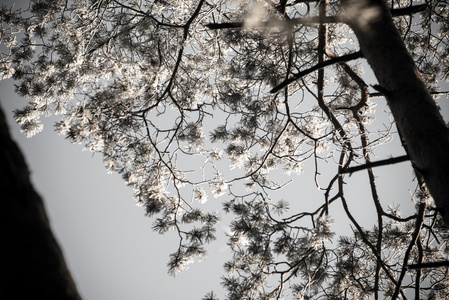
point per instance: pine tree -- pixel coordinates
(240, 100)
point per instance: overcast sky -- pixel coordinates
(108, 243)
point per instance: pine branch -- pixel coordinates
(312, 20)
(436, 264)
(389, 161)
(378, 94)
(276, 23)
(316, 67)
(397, 12)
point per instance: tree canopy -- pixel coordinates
(241, 99)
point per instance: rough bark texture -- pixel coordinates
(424, 132)
(31, 263)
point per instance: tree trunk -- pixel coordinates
(424, 132)
(31, 263)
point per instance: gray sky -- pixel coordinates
(108, 243)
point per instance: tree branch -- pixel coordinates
(389, 161)
(436, 264)
(379, 94)
(277, 23)
(311, 20)
(405, 11)
(343, 58)
(415, 238)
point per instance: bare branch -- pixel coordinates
(436, 264)
(405, 11)
(389, 161)
(276, 23)
(311, 20)
(343, 58)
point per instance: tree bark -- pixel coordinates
(31, 263)
(424, 132)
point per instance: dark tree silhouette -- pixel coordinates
(31, 262)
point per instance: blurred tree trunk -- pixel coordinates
(424, 132)
(31, 263)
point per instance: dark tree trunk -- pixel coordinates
(424, 132)
(31, 263)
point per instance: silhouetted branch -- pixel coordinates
(378, 163)
(405, 11)
(311, 20)
(316, 67)
(436, 264)
(378, 94)
(414, 240)
(277, 23)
